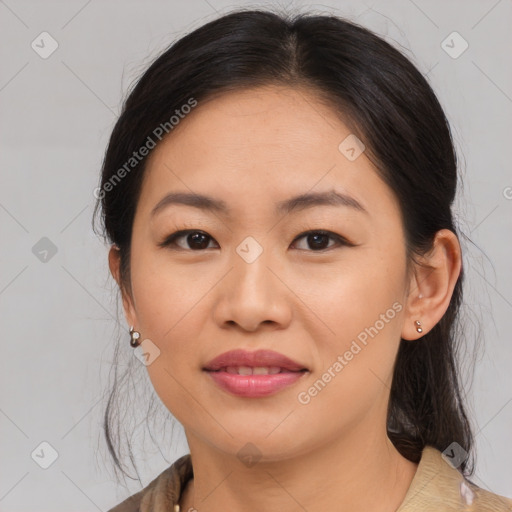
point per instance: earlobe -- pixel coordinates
(431, 286)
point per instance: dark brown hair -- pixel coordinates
(387, 103)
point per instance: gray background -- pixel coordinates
(59, 316)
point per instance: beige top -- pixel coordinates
(436, 487)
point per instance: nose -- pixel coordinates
(253, 294)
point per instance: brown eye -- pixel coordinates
(319, 240)
(194, 240)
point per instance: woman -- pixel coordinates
(277, 192)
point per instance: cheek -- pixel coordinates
(164, 295)
(168, 309)
(356, 366)
(363, 307)
(353, 295)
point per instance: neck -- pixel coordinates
(362, 473)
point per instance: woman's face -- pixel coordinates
(251, 282)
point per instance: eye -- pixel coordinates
(196, 240)
(318, 239)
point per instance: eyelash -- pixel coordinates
(170, 241)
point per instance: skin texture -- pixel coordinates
(253, 149)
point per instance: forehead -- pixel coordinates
(263, 144)
(271, 119)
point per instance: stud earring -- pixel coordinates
(134, 337)
(418, 326)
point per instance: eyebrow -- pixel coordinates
(297, 203)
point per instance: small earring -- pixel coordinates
(134, 336)
(418, 324)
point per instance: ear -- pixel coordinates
(114, 263)
(431, 285)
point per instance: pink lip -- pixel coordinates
(254, 385)
(259, 358)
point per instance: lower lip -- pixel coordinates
(254, 385)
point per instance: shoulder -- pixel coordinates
(133, 502)
(482, 500)
(163, 492)
(130, 504)
(440, 487)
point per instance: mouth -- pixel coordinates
(263, 361)
(256, 370)
(254, 374)
(254, 385)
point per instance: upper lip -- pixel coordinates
(259, 358)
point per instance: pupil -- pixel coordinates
(316, 238)
(194, 238)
